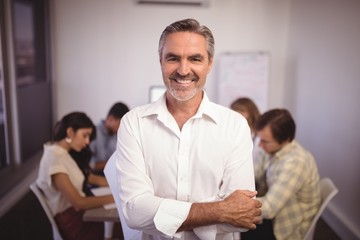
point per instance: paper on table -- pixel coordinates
(101, 191)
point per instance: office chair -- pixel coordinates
(327, 190)
(110, 174)
(40, 196)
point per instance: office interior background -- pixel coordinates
(86, 54)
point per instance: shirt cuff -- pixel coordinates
(170, 215)
(212, 231)
(206, 232)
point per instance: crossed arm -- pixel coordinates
(238, 209)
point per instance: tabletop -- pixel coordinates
(101, 215)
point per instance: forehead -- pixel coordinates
(84, 130)
(265, 133)
(185, 43)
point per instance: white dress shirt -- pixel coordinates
(162, 170)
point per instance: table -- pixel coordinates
(108, 216)
(101, 215)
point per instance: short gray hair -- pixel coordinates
(189, 25)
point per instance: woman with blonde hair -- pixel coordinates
(246, 107)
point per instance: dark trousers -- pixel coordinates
(263, 231)
(72, 227)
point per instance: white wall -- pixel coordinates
(105, 51)
(324, 67)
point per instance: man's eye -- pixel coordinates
(196, 59)
(172, 59)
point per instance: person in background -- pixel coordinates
(246, 107)
(184, 164)
(62, 180)
(82, 159)
(287, 179)
(105, 143)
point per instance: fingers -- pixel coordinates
(249, 222)
(239, 195)
(251, 194)
(252, 226)
(258, 204)
(257, 220)
(248, 193)
(244, 210)
(257, 212)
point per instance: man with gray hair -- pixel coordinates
(184, 164)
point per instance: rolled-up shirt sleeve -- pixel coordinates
(170, 215)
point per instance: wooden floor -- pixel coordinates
(26, 220)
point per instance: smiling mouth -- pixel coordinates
(182, 81)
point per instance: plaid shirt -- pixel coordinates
(287, 182)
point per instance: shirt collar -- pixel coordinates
(285, 150)
(159, 108)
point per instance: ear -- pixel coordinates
(70, 132)
(211, 61)
(111, 117)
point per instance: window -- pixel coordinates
(25, 88)
(29, 38)
(4, 161)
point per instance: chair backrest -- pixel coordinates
(110, 174)
(40, 196)
(327, 190)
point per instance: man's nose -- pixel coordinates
(184, 68)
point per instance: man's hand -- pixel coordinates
(240, 209)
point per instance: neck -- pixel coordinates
(183, 110)
(62, 143)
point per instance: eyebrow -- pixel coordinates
(197, 56)
(172, 55)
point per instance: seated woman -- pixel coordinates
(62, 180)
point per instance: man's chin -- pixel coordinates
(181, 96)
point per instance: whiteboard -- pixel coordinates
(243, 74)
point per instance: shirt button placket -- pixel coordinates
(183, 164)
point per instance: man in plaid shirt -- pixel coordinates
(287, 180)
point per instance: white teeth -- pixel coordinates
(184, 81)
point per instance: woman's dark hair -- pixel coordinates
(74, 120)
(82, 159)
(281, 123)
